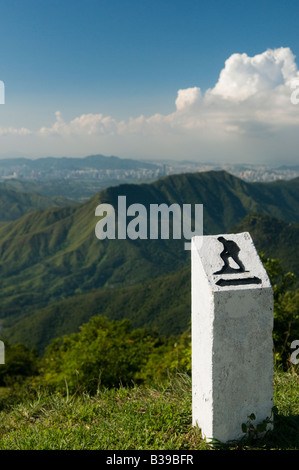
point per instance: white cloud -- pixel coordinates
(254, 89)
(188, 98)
(86, 124)
(14, 131)
(244, 76)
(248, 110)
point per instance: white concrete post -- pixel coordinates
(232, 346)
(2, 353)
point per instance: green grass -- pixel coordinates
(136, 418)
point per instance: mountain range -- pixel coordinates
(55, 273)
(99, 162)
(74, 178)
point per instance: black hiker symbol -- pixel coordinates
(231, 250)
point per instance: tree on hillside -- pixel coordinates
(20, 363)
(286, 309)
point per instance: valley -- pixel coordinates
(55, 274)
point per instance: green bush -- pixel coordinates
(108, 353)
(286, 309)
(20, 363)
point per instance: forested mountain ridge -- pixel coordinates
(51, 255)
(163, 302)
(15, 204)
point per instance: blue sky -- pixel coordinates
(103, 76)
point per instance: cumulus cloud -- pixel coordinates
(251, 99)
(188, 98)
(86, 124)
(22, 131)
(244, 76)
(247, 87)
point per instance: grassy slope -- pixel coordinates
(156, 417)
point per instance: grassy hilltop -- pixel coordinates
(156, 417)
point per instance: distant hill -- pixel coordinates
(14, 204)
(77, 190)
(52, 255)
(74, 178)
(276, 238)
(48, 164)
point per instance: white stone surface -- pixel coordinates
(232, 347)
(2, 353)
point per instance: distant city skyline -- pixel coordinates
(184, 80)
